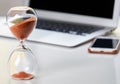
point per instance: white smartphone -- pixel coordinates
(107, 45)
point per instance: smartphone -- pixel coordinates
(106, 45)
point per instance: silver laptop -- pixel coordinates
(70, 23)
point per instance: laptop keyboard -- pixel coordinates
(77, 29)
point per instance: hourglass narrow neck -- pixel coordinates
(21, 44)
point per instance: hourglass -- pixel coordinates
(21, 21)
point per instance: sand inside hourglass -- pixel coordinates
(24, 28)
(23, 75)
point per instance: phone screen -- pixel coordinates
(105, 43)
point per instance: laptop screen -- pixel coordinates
(95, 8)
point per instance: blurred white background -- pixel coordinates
(6, 4)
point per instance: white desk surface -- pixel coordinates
(60, 65)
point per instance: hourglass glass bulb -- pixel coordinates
(21, 20)
(22, 64)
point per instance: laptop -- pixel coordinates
(70, 23)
